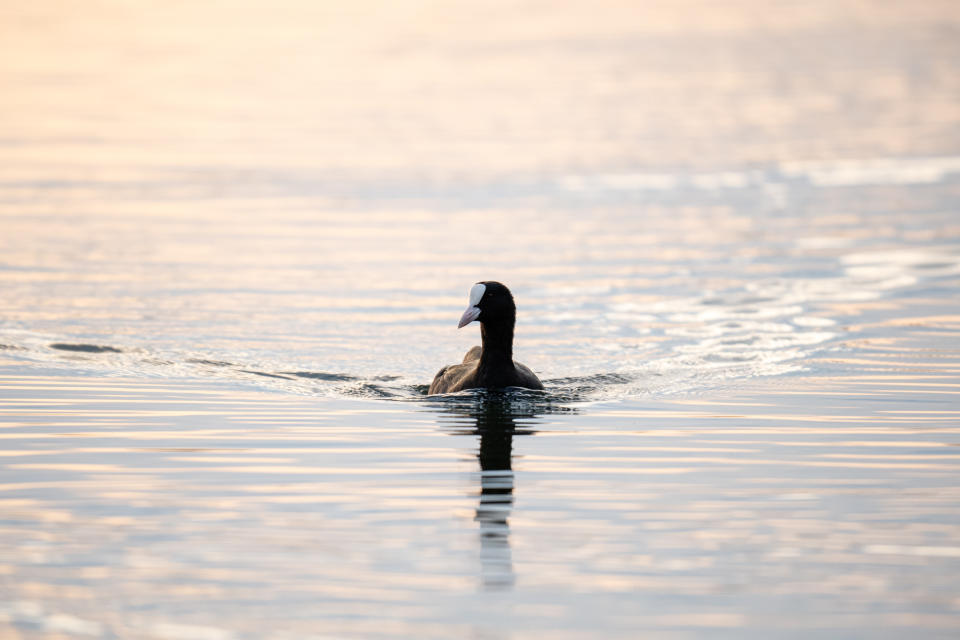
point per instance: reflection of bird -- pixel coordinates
(495, 428)
(495, 416)
(491, 365)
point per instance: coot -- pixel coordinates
(490, 366)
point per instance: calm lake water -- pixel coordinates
(235, 243)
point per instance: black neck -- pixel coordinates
(497, 344)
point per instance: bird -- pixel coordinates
(490, 366)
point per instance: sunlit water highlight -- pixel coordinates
(733, 238)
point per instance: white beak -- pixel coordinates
(471, 314)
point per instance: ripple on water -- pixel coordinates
(766, 327)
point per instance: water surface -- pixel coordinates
(236, 242)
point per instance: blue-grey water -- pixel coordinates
(235, 242)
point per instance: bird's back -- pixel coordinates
(457, 377)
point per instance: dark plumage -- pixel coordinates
(490, 366)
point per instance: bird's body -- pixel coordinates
(490, 366)
(472, 375)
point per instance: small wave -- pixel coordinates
(381, 392)
(85, 348)
(319, 375)
(264, 374)
(212, 363)
(837, 173)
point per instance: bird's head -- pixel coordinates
(490, 302)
